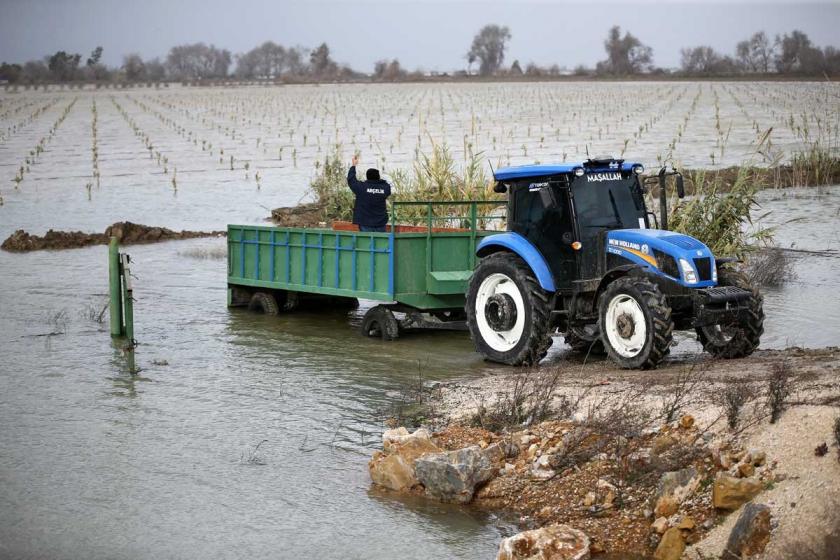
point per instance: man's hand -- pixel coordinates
(355, 159)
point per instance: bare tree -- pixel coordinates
(705, 60)
(155, 70)
(488, 47)
(756, 53)
(35, 71)
(320, 62)
(198, 61)
(797, 55)
(389, 71)
(625, 55)
(134, 68)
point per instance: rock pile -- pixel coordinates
(646, 493)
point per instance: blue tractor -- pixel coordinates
(584, 256)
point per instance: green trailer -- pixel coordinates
(419, 271)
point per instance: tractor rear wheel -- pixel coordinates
(586, 340)
(264, 302)
(739, 338)
(635, 323)
(508, 312)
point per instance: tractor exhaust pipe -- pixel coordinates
(663, 200)
(663, 203)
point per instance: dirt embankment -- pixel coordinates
(310, 214)
(127, 233)
(659, 463)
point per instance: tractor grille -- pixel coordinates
(704, 268)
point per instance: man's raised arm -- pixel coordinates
(352, 182)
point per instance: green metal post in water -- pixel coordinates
(115, 292)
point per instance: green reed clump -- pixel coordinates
(434, 177)
(721, 218)
(330, 187)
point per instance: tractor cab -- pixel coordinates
(564, 210)
(585, 256)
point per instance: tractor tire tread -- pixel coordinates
(264, 302)
(748, 339)
(539, 338)
(662, 324)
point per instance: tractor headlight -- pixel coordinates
(578, 171)
(714, 272)
(638, 169)
(688, 272)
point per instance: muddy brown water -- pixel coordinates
(96, 463)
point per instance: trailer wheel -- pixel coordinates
(586, 340)
(635, 323)
(740, 339)
(263, 302)
(508, 312)
(379, 322)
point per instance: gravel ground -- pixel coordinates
(801, 504)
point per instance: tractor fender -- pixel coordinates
(616, 273)
(515, 243)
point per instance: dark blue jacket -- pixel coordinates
(369, 209)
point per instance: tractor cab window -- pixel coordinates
(547, 223)
(608, 205)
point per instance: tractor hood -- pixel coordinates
(678, 256)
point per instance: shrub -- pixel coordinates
(433, 177)
(779, 389)
(717, 217)
(734, 397)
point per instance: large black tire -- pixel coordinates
(740, 339)
(635, 323)
(505, 330)
(264, 302)
(586, 340)
(379, 322)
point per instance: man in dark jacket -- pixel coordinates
(369, 212)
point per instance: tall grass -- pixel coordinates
(719, 217)
(433, 176)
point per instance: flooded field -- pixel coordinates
(216, 150)
(97, 463)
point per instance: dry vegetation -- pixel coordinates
(589, 445)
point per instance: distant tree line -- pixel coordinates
(788, 54)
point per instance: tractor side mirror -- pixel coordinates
(680, 187)
(500, 188)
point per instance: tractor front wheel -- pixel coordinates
(635, 323)
(739, 338)
(508, 312)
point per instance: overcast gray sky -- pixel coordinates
(431, 34)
